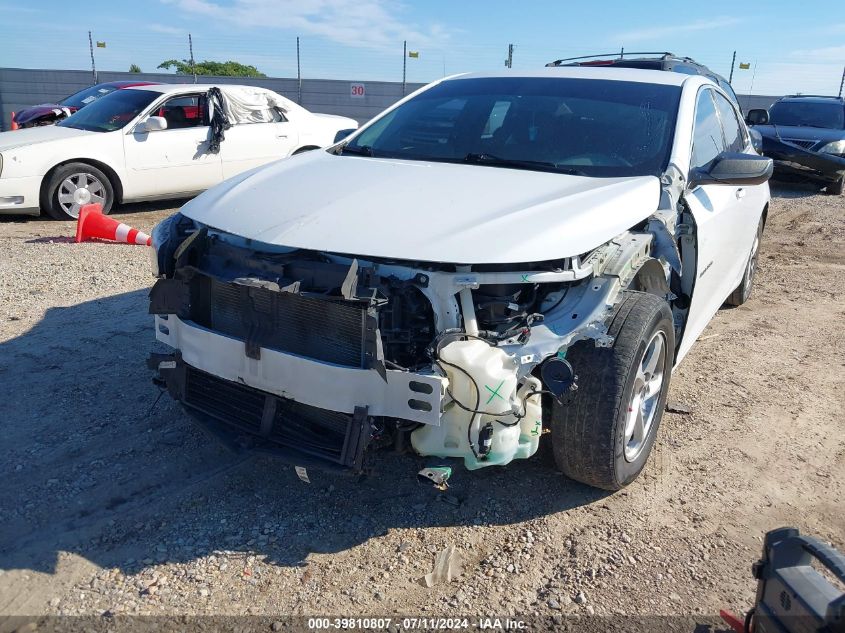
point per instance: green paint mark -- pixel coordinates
(494, 392)
(561, 353)
(536, 430)
(525, 279)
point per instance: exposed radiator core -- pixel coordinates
(323, 329)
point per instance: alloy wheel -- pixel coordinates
(80, 189)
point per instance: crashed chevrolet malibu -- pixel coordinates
(494, 261)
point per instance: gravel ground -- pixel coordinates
(112, 503)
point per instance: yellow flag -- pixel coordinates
(414, 54)
(744, 65)
(101, 44)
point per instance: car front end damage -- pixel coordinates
(319, 358)
(808, 158)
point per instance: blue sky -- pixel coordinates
(791, 46)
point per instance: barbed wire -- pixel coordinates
(772, 74)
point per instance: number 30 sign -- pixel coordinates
(357, 91)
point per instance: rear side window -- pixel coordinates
(707, 140)
(734, 139)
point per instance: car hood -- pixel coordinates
(424, 211)
(799, 133)
(35, 135)
(335, 118)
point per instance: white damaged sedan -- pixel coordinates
(495, 261)
(154, 142)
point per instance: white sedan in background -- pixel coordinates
(154, 142)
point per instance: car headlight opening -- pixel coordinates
(835, 147)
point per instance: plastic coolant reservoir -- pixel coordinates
(494, 373)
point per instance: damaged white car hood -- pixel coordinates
(424, 211)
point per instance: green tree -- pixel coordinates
(134, 68)
(219, 69)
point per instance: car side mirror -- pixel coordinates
(342, 134)
(730, 168)
(153, 124)
(757, 116)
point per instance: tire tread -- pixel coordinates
(584, 431)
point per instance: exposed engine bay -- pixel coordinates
(317, 357)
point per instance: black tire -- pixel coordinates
(743, 290)
(836, 188)
(589, 439)
(95, 181)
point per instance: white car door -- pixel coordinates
(752, 198)
(249, 145)
(721, 224)
(176, 160)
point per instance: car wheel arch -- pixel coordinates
(114, 179)
(650, 277)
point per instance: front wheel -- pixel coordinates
(604, 436)
(74, 185)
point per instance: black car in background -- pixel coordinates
(805, 136)
(655, 61)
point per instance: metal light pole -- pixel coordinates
(733, 62)
(298, 73)
(753, 75)
(91, 49)
(842, 83)
(404, 64)
(191, 50)
(509, 60)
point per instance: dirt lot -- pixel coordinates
(111, 503)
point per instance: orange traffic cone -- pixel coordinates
(15, 126)
(93, 224)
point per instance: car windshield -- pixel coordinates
(590, 127)
(808, 114)
(84, 97)
(112, 112)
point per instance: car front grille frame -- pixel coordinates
(255, 419)
(802, 143)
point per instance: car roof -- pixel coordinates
(588, 72)
(127, 84)
(171, 88)
(812, 99)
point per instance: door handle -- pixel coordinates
(281, 135)
(740, 193)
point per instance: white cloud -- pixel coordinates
(828, 53)
(662, 32)
(167, 30)
(361, 23)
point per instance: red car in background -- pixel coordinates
(50, 113)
